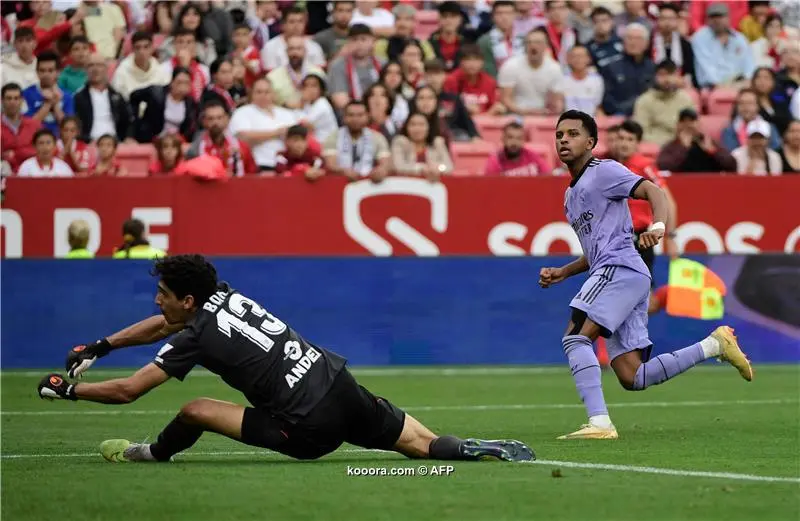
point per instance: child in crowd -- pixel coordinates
(248, 53)
(74, 152)
(107, 163)
(169, 153)
(301, 157)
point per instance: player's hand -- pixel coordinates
(550, 276)
(650, 238)
(54, 387)
(81, 358)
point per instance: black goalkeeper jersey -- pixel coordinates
(253, 352)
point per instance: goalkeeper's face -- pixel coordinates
(175, 310)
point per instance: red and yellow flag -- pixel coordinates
(694, 291)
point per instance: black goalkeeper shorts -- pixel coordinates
(348, 413)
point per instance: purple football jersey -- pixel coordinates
(596, 208)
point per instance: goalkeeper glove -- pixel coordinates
(81, 358)
(53, 387)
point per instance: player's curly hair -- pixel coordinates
(187, 275)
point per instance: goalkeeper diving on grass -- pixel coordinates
(304, 401)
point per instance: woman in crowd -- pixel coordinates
(221, 85)
(164, 12)
(107, 163)
(767, 49)
(773, 106)
(418, 151)
(157, 109)
(190, 18)
(379, 108)
(74, 152)
(411, 61)
(169, 154)
(427, 102)
(392, 78)
(317, 111)
(790, 151)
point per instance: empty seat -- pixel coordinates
(426, 24)
(491, 127)
(136, 158)
(469, 158)
(721, 102)
(713, 125)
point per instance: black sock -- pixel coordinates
(176, 437)
(446, 448)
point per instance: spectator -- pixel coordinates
(102, 109)
(790, 12)
(221, 84)
(169, 154)
(754, 157)
(135, 244)
(166, 109)
(417, 151)
(46, 37)
(71, 149)
(107, 163)
(78, 239)
(391, 47)
(351, 75)
(287, 80)
(529, 16)
(448, 41)
(334, 38)
(657, 109)
(694, 151)
(580, 20)
(752, 25)
(605, 46)
(773, 105)
(164, 12)
(788, 78)
(477, 89)
(630, 75)
(217, 25)
(768, 49)
(189, 22)
(45, 101)
(530, 83)
(582, 87)
(455, 113)
(500, 44)
(62, 44)
(355, 151)
(634, 12)
(427, 102)
(44, 163)
(105, 26)
(244, 50)
(298, 158)
(515, 159)
(747, 110)
(273, 55)
(722, 56)
(561, 36)
(185, 48)
(262, 125)
(668, 44)
(223, 142)
(17, 130)
(379, 109)
(794, 105)
(317, 111)
(20, 67)
(413, 68)
(74, 76)
(140, 69)
(266, 24)
(790, 151)
(477, 17)
(392, 78)
(379, 20)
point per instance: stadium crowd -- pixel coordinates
(370, 89)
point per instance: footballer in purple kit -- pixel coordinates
(613, 301)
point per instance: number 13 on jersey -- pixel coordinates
(234, 318)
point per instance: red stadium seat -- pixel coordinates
(491, 127)
(469, 157)
(547, 152)
(695, 95)
(713, 125)
(721, 102)
(427, 23)
(136, 158)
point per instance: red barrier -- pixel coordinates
(401, 216)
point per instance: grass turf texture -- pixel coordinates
(706, 420)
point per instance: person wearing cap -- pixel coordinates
(379, 20)
(657, 109)
(78, 239)
(722, 56)
(391, 47)
(693, 150)
(755, 158)
(350, 76)
(747, 110)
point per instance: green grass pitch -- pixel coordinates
(745, 435)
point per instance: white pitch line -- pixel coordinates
(556, 463)
(433, 408)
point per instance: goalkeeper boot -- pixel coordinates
(503, 450)
(123, 451)
(729, 351)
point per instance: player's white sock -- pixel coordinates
(602, 421)
(710, 346)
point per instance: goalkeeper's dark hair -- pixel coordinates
(586, 120)
(187, 275)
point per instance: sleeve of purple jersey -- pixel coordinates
(615, 181)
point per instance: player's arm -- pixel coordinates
(550, 276)
(118, 391)
(658, 202)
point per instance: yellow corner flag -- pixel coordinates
(694, 291)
